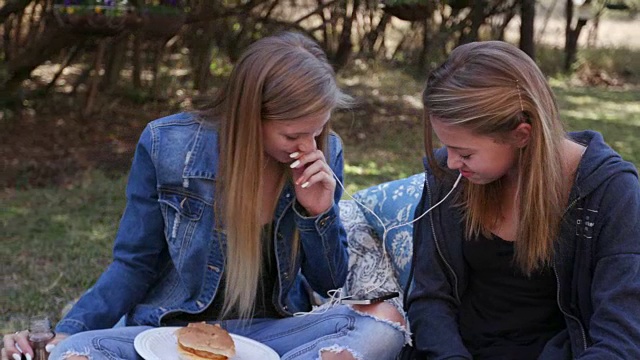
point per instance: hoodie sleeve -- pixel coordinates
(614, 327)
(432, 306)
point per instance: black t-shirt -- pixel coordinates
(505, 314)
(267, 285)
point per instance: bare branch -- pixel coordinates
(12, 7)
(214, 15)
(317, 11)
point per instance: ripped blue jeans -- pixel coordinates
(334, 329)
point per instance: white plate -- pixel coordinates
(161, 344)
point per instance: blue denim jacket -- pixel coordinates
(596, 263)
(168, 255)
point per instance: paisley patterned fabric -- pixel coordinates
(392, 206)
(376, 266)
(370, 271)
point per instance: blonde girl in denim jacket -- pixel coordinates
(232, 218)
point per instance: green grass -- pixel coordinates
(613, 112)
(382, 134)
(620, 63)
(56, 242)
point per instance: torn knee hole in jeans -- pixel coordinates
(71, 353)
(395, 324)
(337, 349)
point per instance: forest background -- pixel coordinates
(79, 79)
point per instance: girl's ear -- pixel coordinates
(521, 135)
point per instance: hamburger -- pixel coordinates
(201, 341)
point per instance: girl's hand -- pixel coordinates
(314, 182)
(15, 345)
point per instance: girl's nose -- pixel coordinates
(453, 161)
(308, 144)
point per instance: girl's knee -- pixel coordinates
(337, 353)
(343, 355)
(67, 354)
(384, 311)
(115, 343)
(64, 353)
(75, 347)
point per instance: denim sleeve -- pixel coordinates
(432, 307)
(323, 239)
(138, 243)
(614, 328)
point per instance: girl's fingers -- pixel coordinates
(22, 343)
(308, 176)
(15, 345)
(314, 181)
(300, 160)
(317, 178)
(54, 342)
(305, 166)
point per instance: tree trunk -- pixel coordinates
(201, 43)
(323, 26)
(115, 62)
(571, 36)
(137, 62)
(370, 38)
(477, 19)
(7, 43)
(12, 7)
(547, 17)
(95, 78)
(592, 38)
(345, 46)
(527, 14)
(35, 52)
(502, 28)
(69, 58)
(158, 52)
(422, 60)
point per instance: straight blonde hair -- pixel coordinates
(283, 77)
(490, 88)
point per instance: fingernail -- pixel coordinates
(295, 164)
(16, 357)
(305, 184)
(49, 347)
(28, 356)
(294, 155)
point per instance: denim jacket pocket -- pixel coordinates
(181, 212)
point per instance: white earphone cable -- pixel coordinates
(336, 296)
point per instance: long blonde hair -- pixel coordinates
(281, 77)
(490, 88)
